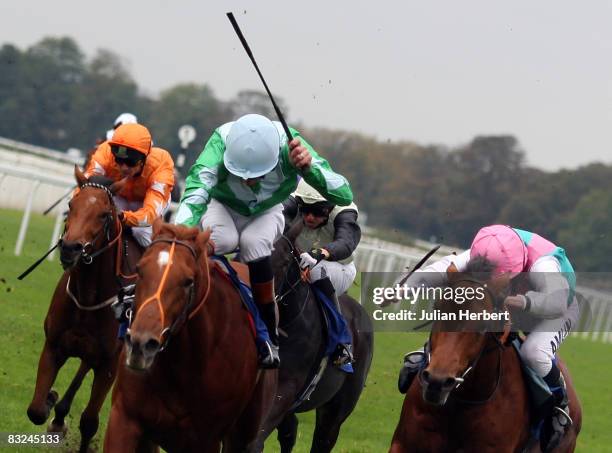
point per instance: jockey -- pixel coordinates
(236, 188)
(551, 301)
(330, 236)
(124, 118)
(149, 172)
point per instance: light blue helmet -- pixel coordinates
(252, 147)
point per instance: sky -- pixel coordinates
(431, 72)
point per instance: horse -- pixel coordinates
(472, 396)
(190, 379)
(79, 322)
(301, 349)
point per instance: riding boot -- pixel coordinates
(344, 352)
(413, 362)
(262, 283)
(560, 420)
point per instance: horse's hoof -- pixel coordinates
(37, 417)
(56, 428)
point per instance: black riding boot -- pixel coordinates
(560, 420)
(344, 352)
(262, 283)
(413, 362)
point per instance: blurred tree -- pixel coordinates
(54, 69)
(187, 104)
(587, 236)
(253, 101)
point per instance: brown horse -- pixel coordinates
(471, 396)
(191, 380)
(80, 322)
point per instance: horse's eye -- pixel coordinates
(188, 282)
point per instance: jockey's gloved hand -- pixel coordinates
(312, 258)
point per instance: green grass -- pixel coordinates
(370, 427)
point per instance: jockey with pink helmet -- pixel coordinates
(550, 300)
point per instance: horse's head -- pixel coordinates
(91, 218)
(173, 282)
(457, 344)
(285, 251)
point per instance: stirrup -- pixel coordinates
(343, 355)
(560, 423)
(269, 358)
(414, 359)
(561, 420)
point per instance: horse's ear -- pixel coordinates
(203, 244)
(157, 226)
(118, 186)
(295, 229)
(79, 176)
(452, 272)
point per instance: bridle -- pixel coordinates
(499, 346)
(87, 254)
(186, 313)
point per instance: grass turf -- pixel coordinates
(368, 429)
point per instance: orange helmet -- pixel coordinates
(130, 138)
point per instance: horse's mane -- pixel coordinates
(180, 232)
(102, 180)
(480, 268)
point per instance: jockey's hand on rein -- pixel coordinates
(312, 258)
(515, 302)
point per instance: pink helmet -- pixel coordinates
(501, 245)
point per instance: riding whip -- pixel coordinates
(36, 264)
(281, 118)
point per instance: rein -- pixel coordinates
(185, 313)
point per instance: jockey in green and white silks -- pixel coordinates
(328, 241)
(550, 299)
(236, 188)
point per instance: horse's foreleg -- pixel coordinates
(287, 433)
(102, 382)
(44, 399)
(123, 434)
(63, 407)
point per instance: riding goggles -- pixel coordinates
(126, 156)
(317, 211)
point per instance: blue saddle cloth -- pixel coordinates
(261, 332)
(337, 329)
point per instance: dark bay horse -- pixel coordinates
(80, 322)
(301, 350)
(472, 396)
(189, 380)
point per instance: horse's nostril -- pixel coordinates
(152, 346)
(449, 382)
(71, 247)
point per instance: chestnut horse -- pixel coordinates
(80, 322)
(191, 380)
(471, 396)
